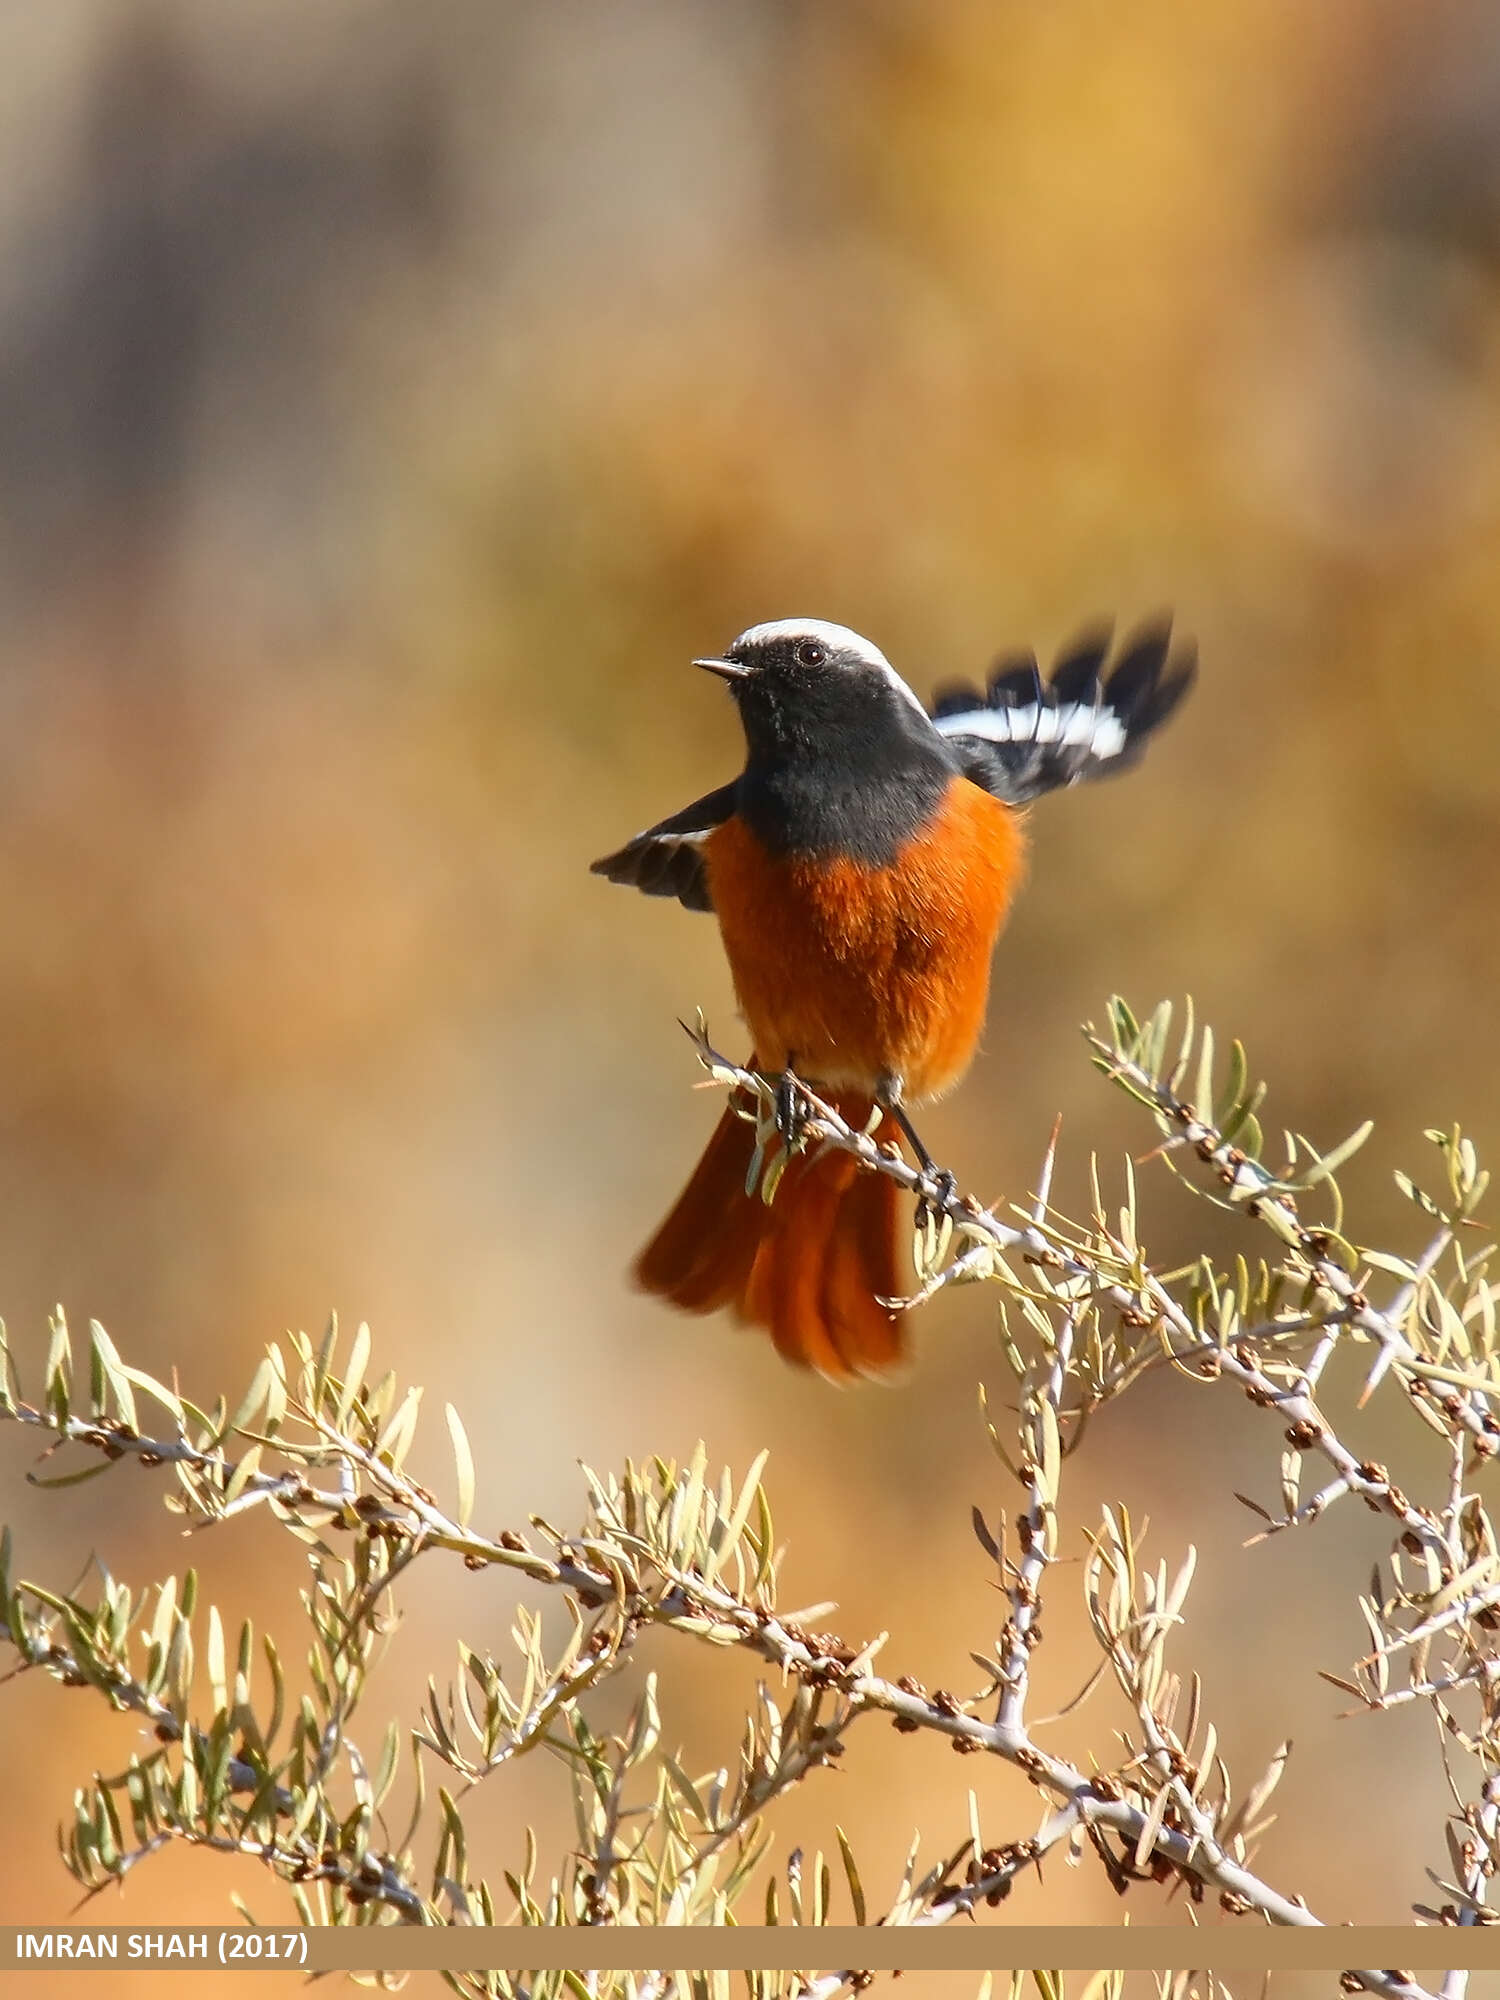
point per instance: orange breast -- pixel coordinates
(857, 973)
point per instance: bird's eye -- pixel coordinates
(810, 653)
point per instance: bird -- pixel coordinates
(861, 867)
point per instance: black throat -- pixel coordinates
(839, 769)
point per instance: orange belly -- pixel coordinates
(858, 974)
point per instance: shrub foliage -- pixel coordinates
(251, 1751)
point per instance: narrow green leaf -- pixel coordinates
(464, 1462)
(1413, 1193)
(243, 1473)
(731, 1529)
(278, 1688)
(322, 1361)
(157, 1391)
(61, 1479)
(851, 1874)
(218, 1673)
(59, 1367)
(104, 1355)
(688, 1789)
(1203, 1087)
(354, 1372)
(395, 1440)
(250, 1405)
(390, 1757)
(1329, 1163)
(1234, 1084)
(276, 1393)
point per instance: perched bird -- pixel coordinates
(860, 867)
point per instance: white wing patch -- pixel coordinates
(1081, 726)
(1020, 736)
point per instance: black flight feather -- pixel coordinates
(1021, 737)
(667, 859)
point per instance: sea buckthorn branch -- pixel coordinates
(1445, 1577)
(660, 1548)
(1066, 1268)
(1248, 1186)
(315, 1447)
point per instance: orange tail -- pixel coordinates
(811, 1268)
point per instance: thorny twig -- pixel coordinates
(678, 1599)
(1158, 1815)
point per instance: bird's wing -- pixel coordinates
(667, 859)
(1022, 736)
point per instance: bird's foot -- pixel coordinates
(791, 1112)
(938, 1185)
(935, 1191)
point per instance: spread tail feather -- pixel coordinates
(812, 1267)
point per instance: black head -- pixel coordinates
(801, 684)
(841, 754)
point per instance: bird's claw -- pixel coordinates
(791, 1114)
(935, 1191)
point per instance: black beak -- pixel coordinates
(727, 670)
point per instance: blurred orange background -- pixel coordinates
(394, 401)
